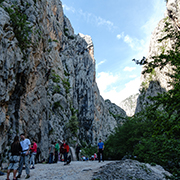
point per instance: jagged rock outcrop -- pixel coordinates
(129, 104)
(47, 78)
(131, 169)
(118, 113)
(157, 81)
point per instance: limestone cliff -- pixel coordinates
(129, 104)
(157, 81)
(47, 78)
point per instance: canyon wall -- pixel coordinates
(48, 84)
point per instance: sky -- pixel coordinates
(120, 31)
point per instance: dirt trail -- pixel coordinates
(77, 170)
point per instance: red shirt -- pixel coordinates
(64, 148)
(34, 148)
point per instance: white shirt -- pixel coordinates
(25, 145)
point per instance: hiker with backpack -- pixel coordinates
(37, 155)
(64, 149)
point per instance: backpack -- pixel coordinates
(38, 150)
(69, 159)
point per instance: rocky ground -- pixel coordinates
(77, 170)
(92, 170)
(130, 170)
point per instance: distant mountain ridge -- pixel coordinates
(129, 104)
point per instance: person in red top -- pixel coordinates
(64, 149)
(33, 153)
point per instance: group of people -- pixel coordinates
(20, 152)
(55, 150)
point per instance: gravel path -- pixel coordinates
(77, 170)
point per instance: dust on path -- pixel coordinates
(77, 170)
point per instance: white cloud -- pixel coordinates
(133, 76)
(91, 18)
(132, 87)
(134, 43)
(157, 15)
(129, 68)
(141, 45)
(67, 8)
(98, 64)
(119, 36)
(99, 21)
(105, 79)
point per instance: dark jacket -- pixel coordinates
(16, 149)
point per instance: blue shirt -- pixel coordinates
(100, 145)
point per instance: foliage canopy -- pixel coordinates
(153, 135)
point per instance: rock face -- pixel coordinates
(118, 113)
(47, 78)
(129, 104)
(158, 80)
(131, 169)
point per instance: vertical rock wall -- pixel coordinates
(49, 83)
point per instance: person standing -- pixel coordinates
(77, 151)
(37, 155)
(33, 153)
(56, 152)
(51, 152)
(64, 150)
(24, 158)
(14, 159)
(100, 150)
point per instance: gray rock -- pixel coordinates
(130, 169)
(129, 104)
(39, 93)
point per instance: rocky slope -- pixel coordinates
(157, 81)
(130, 169)
(129, 104)
(47, 78)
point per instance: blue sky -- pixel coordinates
(121, 31)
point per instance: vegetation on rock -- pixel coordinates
(21, 27)
(73, 124)
(152, 135)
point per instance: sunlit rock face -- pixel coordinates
(157, 81)
(42, 85)
(129, 104)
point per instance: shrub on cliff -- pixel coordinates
(153, 135)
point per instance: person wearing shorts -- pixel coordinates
(24, 158)
(15, 156)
